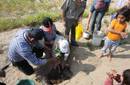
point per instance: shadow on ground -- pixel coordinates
(79, 54)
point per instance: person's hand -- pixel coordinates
(124, 35)
(54, 61)
(112, 73)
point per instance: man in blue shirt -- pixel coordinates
(21, 53)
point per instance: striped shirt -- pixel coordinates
(20, 49)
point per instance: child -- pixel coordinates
(121, 80)
(116, 32)
(50, 32)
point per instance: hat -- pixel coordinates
(63, 46)
(36, 33)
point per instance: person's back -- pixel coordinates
(14, 46)
(21, 53)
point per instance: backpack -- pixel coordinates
(100, 4)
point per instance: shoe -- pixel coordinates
(74, 43)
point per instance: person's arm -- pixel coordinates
(108, 81)
(112, 76)
(89, 18)
(111, 29)
(57, 32)
(62, 16)
(25, 51)
(92, 9)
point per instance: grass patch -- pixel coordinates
(17, 13)
(10, 23)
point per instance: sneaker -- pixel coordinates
(74, 43)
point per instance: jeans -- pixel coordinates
(96, 19)
(109, 46)
(24, 67)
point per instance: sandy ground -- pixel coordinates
(86, 67)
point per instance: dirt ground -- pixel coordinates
(86, 67)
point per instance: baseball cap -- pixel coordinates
(36, 33)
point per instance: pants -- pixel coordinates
(70, 25)
(109, 46)
(96, 19)
(24, 67)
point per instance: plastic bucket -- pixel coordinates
(86, 35)
(25, 82)
(97, 38)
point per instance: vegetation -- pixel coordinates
(16, 13)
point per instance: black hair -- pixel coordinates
(126, 77)
(36, 33)
(47, 22)
(125, 11)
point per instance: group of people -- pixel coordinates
(29, 44)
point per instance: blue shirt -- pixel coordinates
(107, 2)
(20, 49)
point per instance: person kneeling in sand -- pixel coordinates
(21, 53)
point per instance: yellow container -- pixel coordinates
(79, 31)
